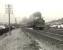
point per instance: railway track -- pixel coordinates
(56, 31)
(52, 35)
(58, 37)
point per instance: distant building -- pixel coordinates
(57, 26)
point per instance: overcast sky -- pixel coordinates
(50, 9)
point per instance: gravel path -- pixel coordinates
(16, 41)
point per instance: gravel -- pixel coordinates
(16, 41)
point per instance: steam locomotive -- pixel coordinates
(37, 23)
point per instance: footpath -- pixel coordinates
(18, 40)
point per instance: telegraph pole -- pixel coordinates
(15, 20)
(9, 14)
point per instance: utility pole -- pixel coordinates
(15, 20)
(9, 14)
